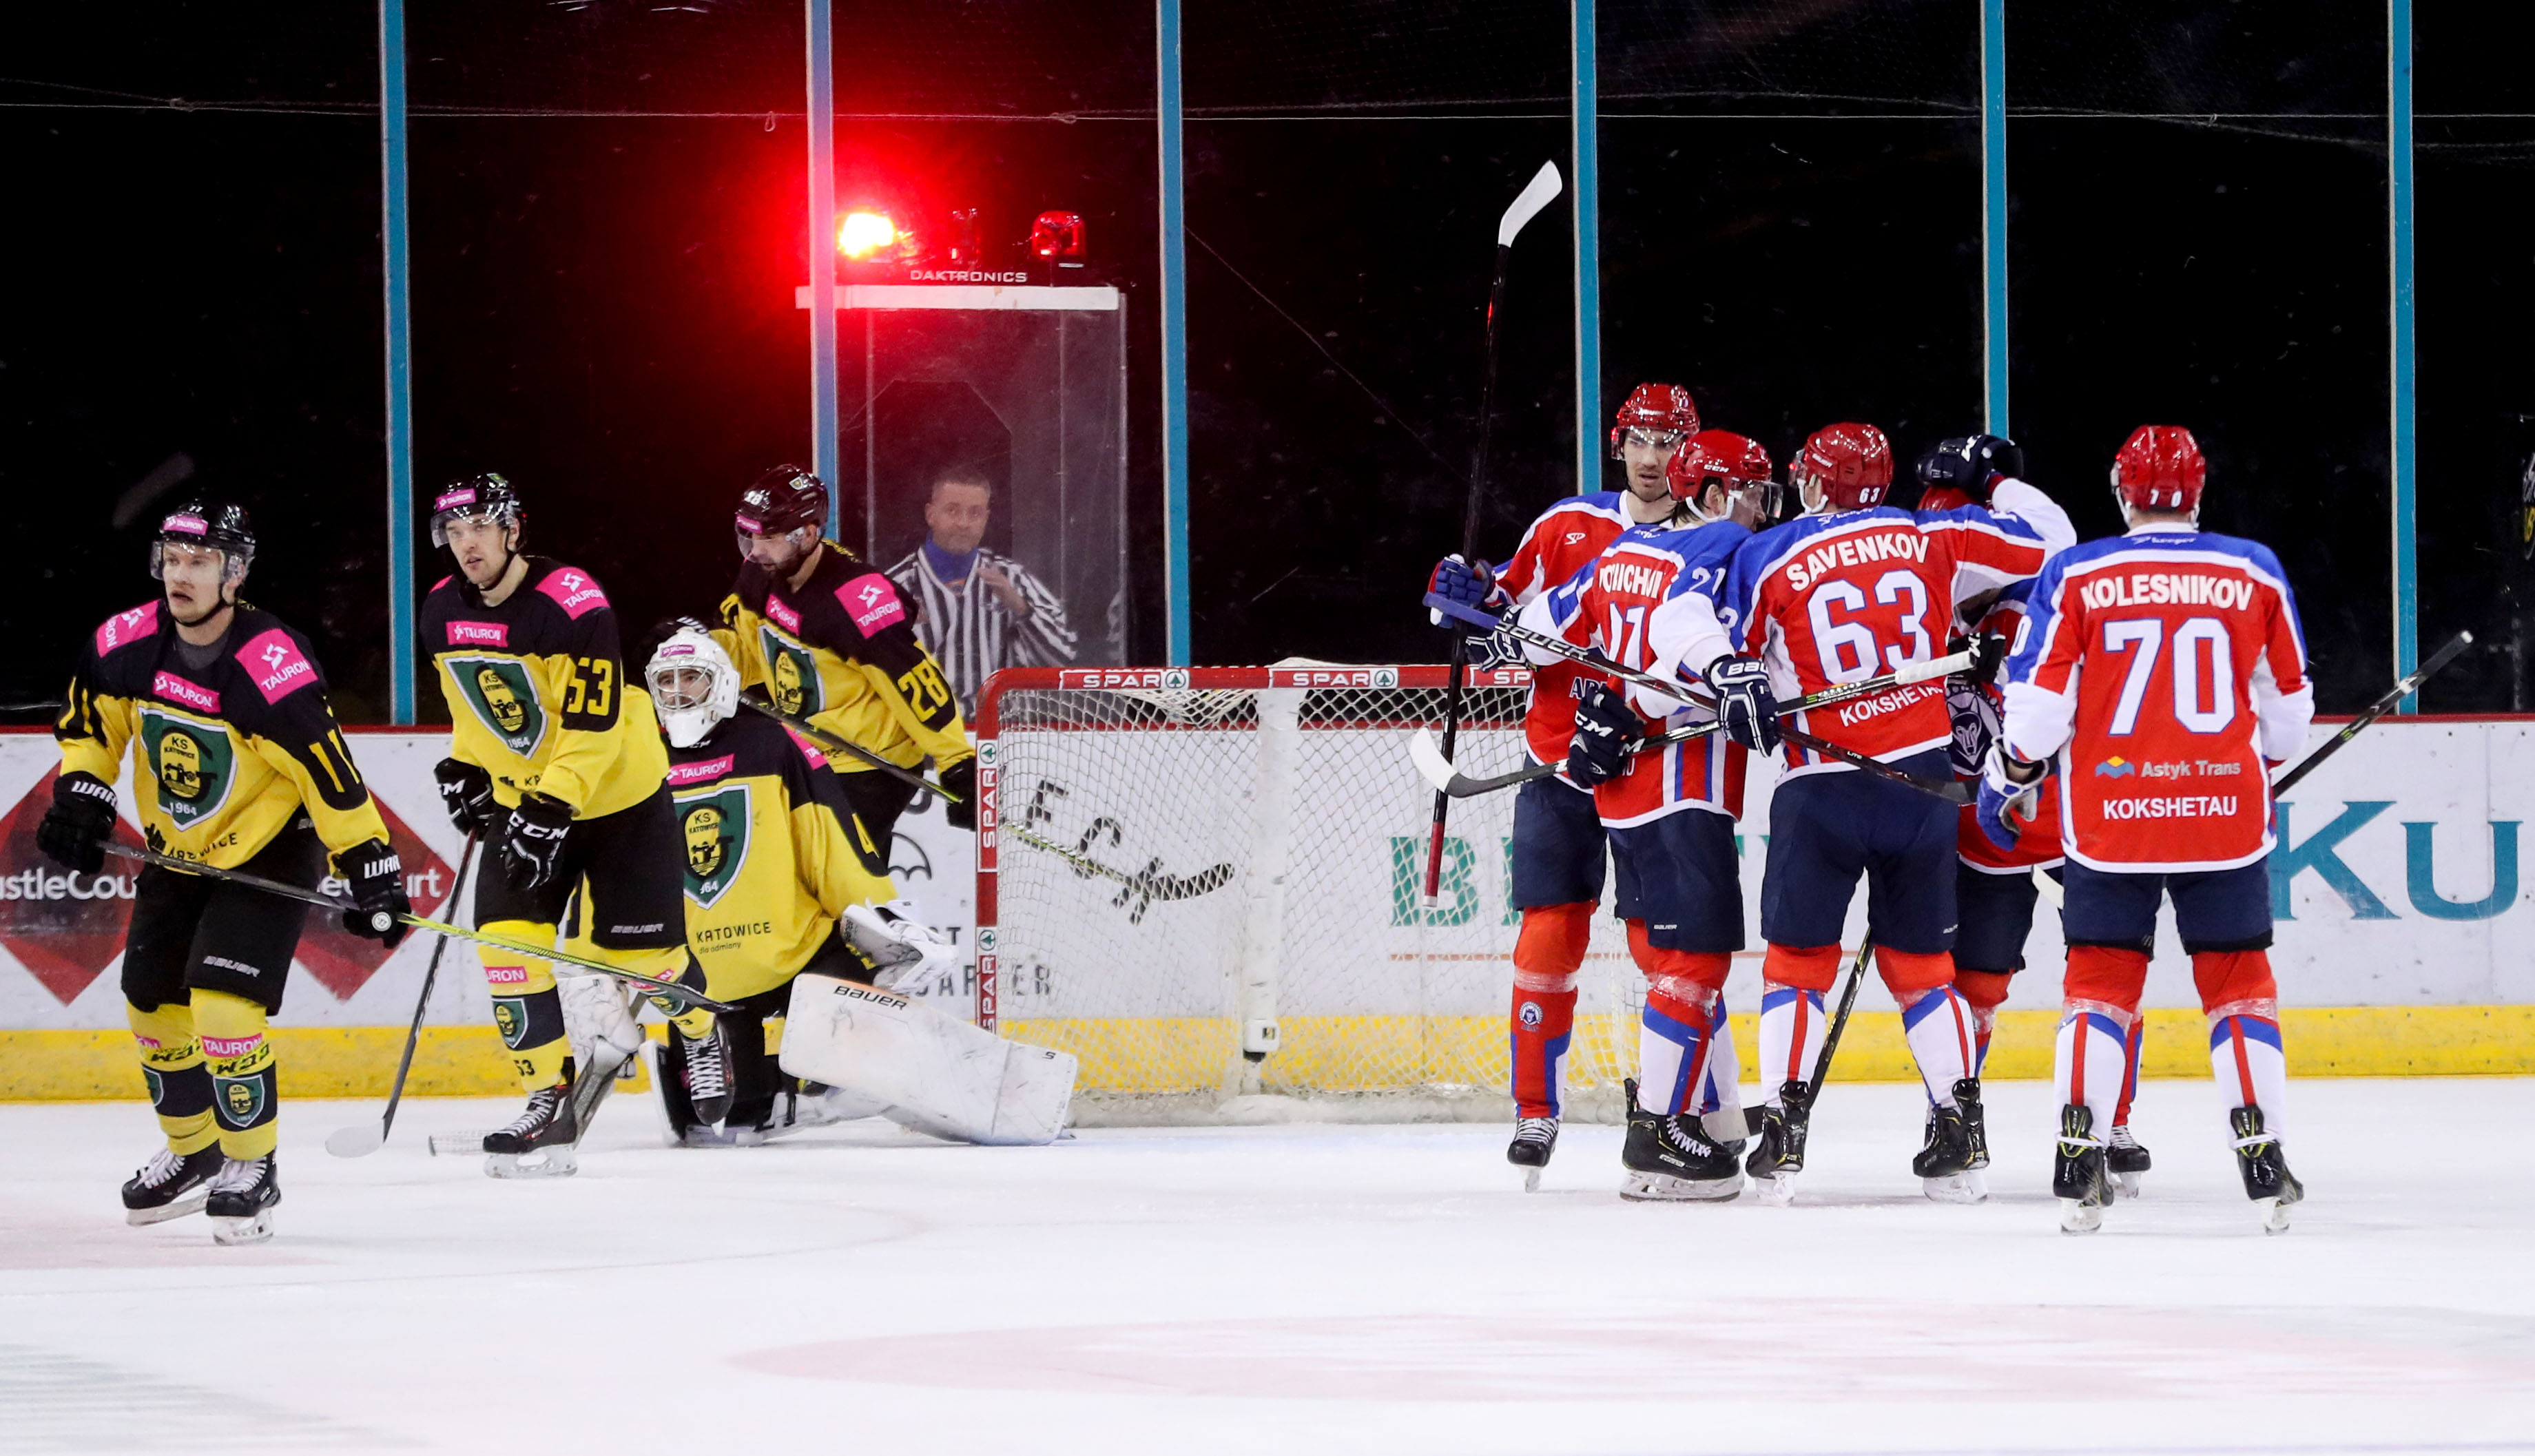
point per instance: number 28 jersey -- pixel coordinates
(2162, 668)
(1606, 606)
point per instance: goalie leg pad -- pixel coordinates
(936, 1074)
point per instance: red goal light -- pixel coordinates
(865, 234)
(1057, 235)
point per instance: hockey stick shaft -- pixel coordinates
(1947, 790)
(2410, 685)
(1535, 194)
(325, 901)
(830, 743)
(1839, 1017)
(430, 975)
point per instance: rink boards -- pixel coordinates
(2402, 949)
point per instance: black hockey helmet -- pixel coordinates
(221, 525)
(485, 497)
(784, 499)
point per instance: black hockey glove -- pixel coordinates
(533, 840)
(78, 823)
(377, 877)
(1989, 653)
(1743, 702)
(1970, 465)
(1607, 733)
(466, 792)
(960, 778)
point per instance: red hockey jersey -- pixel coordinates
(1566, 535)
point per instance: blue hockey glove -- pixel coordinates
(2008, 789)
(1607, 733)
(1743, 702)
(1460, 595)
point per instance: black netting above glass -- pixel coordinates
(1372, 55)
(2296, 68)
(1756, 57)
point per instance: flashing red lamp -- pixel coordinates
(1058, 237)
(865, 234)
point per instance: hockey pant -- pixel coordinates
(1936, 1019)
(2096, 1059)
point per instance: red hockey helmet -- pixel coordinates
(1851, 464)
(1653, 407)
(1716, 457)
(2160, 468)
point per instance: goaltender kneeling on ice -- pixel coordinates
(794, 921)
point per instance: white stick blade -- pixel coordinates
(356, 1142)
(1432, 765)
(1542, 189)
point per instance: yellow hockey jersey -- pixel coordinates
(773, 854)
(231, 751)
(841, 652)
(539, 695)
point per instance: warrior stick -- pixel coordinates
(1438, 770)
(1536, 195)
(1946, 789)
(361, 1140)
(381, 919)
(831, 743)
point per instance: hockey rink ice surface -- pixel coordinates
(1290, 1289)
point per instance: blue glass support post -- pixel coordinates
(1993, 214)
(2399, 223)
(823, 252)
(1175, 451)
(397, 266)
(1587, 147)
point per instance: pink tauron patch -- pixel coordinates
(447, 499)
(780, 613)
(480, 635)
(682, 774)
(192, 694)
(276, 664)
(871, 601)
(573, 591)
(124, 628)
(809, 749)
(229, 1045)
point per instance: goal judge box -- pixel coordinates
(1207, 884)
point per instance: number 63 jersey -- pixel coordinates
(537, 691)
(2163, 668)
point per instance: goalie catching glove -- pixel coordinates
(1607, 732)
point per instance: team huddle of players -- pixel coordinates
(663, 833)
(2125, 701)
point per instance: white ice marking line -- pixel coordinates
(63, 1402)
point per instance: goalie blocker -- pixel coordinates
(934, 1074)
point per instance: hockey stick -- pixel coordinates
(1811, 1087)
(2410, 685)
(1946, 789)
(1535, 194)
(830, 743)
(1438, 770)
(380, 918)
(361, 1140)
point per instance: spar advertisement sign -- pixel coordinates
(2398, 883)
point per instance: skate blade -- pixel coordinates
(457, 1144)
(2275, 1215)
(231, 1232)
(1775, 1191)
(141, 1218)
(2076, 1216)
(1531, 1179)
(1967, 1186)
(553, 1161)
(2127, 1185)
(1660, 1187)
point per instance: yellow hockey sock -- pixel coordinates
(526, 1007)
(180, 1086)
(245, 1089)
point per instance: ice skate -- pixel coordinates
(2125, 1160)
(1671, 1159)
(1534, 1139)
(1779, 1153)
(2078, 1172)
(170, 1186)
(543, 1135)
(241, 1200)
(2268, 1180)
(1956, 1149)
(705, 1065)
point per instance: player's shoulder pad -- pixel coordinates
(276, 659)
(860, 592)
(127, 629)
(576, 592)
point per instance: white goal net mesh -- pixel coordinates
(1174, 862)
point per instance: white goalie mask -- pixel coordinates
(692, 684)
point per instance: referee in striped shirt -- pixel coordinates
(977, 611)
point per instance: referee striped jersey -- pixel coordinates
(971, 633)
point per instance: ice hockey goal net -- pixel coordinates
(1178, 866)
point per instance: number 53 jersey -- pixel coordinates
(2163, 667)
(537, 691)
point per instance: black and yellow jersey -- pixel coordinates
(841, 652)
(235, 740)
(539, 695)
(773, 854)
